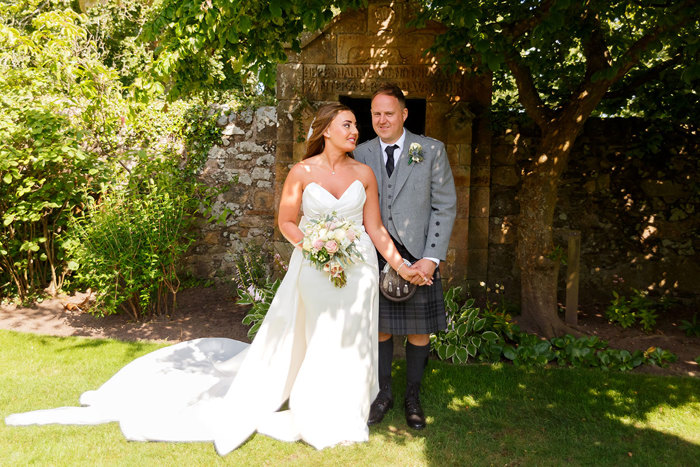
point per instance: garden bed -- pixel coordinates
(212, 312)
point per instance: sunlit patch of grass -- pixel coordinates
(477, 415)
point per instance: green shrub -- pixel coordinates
(255, 285)
(260, 298)
(57, 104)
(659, 357)
(467, 324)
(46, 179)
(637, 308)
(591, 352)
(127, 248)
(692, 327)
(471, 332)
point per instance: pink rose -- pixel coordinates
(318, 244)
(331, 246)
(350, 235)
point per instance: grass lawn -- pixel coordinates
(477, 415)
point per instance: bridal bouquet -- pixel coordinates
(330, 243)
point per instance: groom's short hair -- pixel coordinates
(391, 89)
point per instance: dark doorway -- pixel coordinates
(415, 123)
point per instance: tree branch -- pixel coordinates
(590, 93)
(649, 75)
(594, 48)
(527, 92)
(517, 28)
(631, 57)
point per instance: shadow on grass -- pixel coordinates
(61, 345)
(501, 415)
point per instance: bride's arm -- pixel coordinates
(380, 236)
(290, 203)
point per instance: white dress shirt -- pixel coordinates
(397, 152)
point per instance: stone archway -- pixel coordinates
(359, 50)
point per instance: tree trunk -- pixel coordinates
(538, 197)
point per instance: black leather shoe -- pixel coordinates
(414, 412)
(381, 405)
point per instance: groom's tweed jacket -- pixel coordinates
(418, 202)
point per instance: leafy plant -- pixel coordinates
(468, 333)
(639, 307)
(458, 342)
(260, 297)
(252, 266)
(255, 284)
(692, 327)
(593, 352)
(659, 357)
(530, 351)
(47, 178)
(58, 105)
(127, 248)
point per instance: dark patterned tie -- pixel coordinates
(390, 158)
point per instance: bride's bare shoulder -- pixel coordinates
(303, 168)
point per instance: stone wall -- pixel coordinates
(242, 166)
(633, 194)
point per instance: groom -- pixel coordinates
(418, 206)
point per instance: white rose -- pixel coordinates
(307, 244)
(339, 235)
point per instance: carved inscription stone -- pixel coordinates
(394, 50)
(381, 17)
(329, 81)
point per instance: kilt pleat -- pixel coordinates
(424, 313)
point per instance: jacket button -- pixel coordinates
(437, 234)
(432, 245)
(390, 206)
(390, 185)
(437, 223)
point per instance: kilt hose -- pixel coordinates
(424, 313)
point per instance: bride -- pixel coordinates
(315, 350)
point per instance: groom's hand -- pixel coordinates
(427, 267)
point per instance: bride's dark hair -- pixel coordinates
(325, 115)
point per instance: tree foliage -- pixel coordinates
(53, 125)
(91, 157)
(565, 57)
(551, 49)
(219, 43)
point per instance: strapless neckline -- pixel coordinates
(331, 194)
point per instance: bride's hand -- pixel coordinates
(414, 275)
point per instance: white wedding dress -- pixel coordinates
(316, 348)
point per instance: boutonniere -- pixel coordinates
(415, 153)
